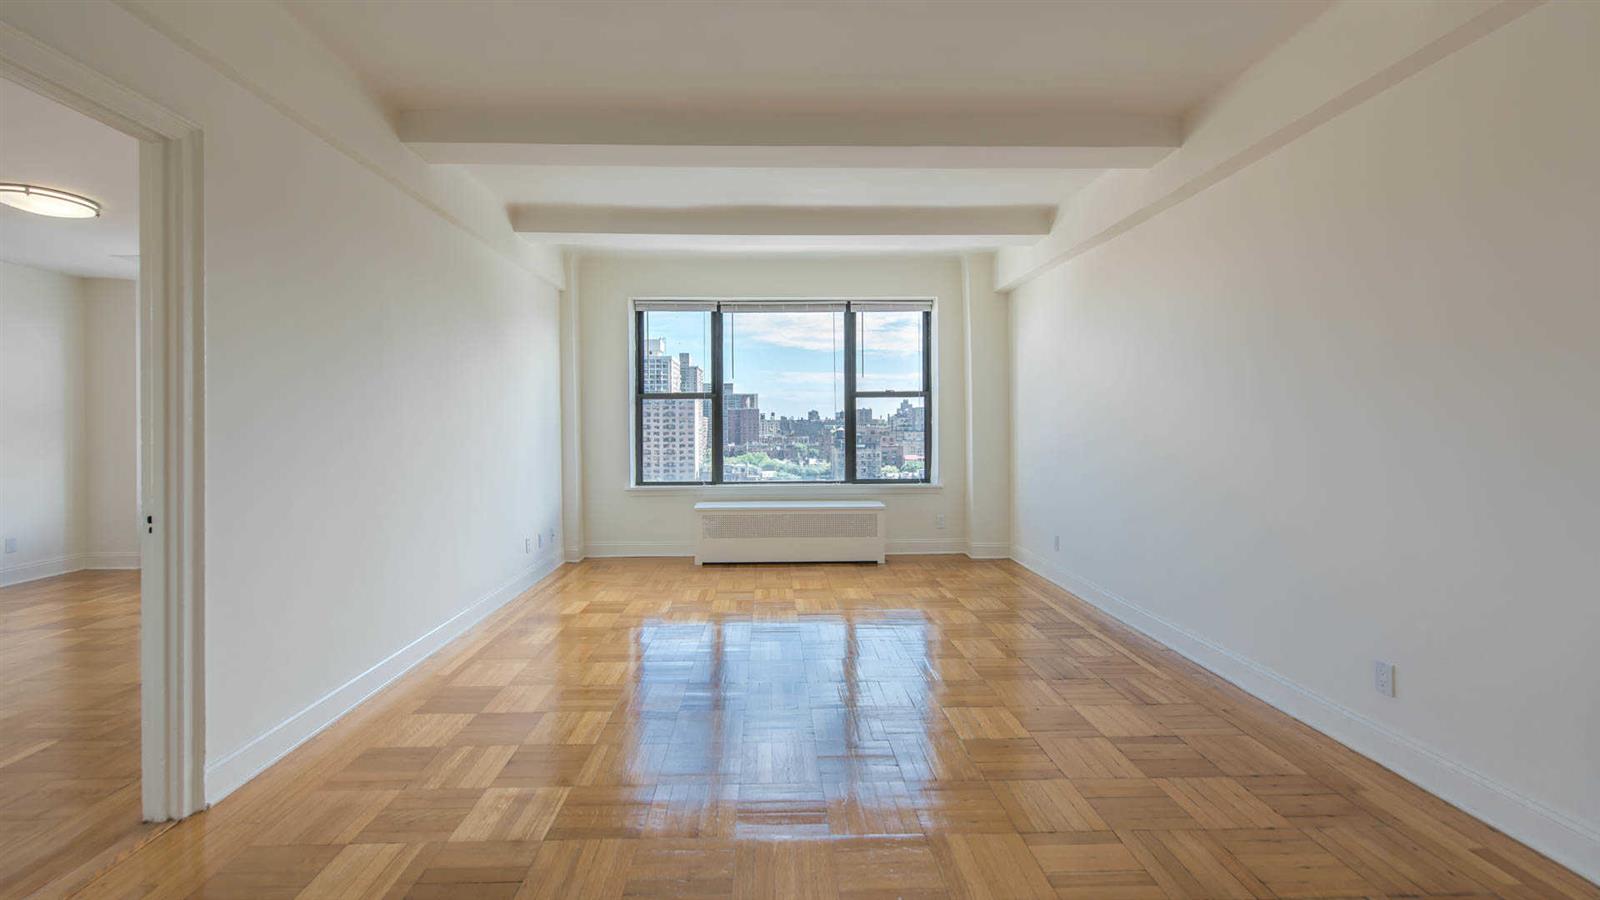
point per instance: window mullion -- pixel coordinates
(716, 396)
(927, 396)
(849, 394)
(638, 397)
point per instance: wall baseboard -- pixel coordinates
(1567, 840)
(65, 565)
(43, 568)
(989, 551)
(924, 545)
(117, 560)
(227, 774)
(610, 549)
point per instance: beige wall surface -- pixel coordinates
(68, 423)
(658, 521)
(1340, 408)
(43, 492)
(111, 397)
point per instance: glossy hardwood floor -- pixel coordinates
(934, 727)
(69, 729)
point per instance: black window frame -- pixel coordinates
(851, 396)
(640, 395)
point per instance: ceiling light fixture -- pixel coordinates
(48, 201)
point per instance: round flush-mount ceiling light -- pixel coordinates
(48, 201)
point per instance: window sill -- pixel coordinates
(785, 491)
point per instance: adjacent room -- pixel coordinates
(69, 491)
(977, 448)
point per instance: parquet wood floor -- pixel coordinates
(935, 727)
(69, 729)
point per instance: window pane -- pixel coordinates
(676, 440)
(888, 351)
(677, 352)
(783, 396)
(890, 438)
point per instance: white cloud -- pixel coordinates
(809, 378)
(896, 333)
(797, 331)
(893, 333)
(819, 390)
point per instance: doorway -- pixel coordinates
(122, 619)
(69, 491)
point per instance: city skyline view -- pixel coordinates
(782, 396)
(794, 361)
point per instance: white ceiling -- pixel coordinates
(45, 143)
(1137, 56)
(900, 124)
(689, 189)
(682, 186)
(876, 117)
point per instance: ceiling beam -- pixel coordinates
(623, 137)
(781, 225)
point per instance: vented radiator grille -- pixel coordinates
(737, 526)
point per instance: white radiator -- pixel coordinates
(789, 531)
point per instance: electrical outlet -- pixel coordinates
(527, 545)
(1058, 543)
(1383, 677)
(11, 545)
(938, 521)
(541, 542)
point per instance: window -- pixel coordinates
(673, 412)
(890, 393)
(796, 391)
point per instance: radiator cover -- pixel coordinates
(789, 531)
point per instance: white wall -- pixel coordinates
(68, 377)
(381, 416)
(658, 521)
(111, 399)
(1341, 407)
(43, 494)
(1347, 54)
(987, 429)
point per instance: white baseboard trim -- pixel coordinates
(228, 773)
(920, 546)
(989, 551)
(65, 565)
(118, 560)
(41, 568)
(1569, 841)
(610, 549)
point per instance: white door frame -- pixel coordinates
(171, 409)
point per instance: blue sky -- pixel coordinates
(791, 359)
